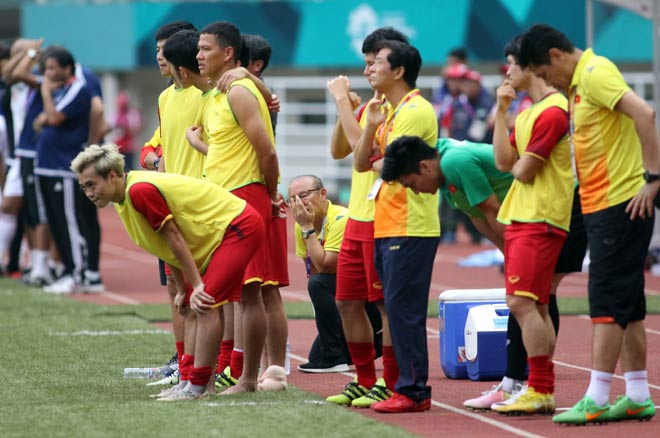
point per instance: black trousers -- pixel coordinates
(74, 225)
(329, 347)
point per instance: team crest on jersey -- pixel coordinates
(513, 279)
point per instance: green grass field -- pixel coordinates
(60, 381)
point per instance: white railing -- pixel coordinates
(308, 115)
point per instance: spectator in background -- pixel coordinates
(127, 124)
(455, 57)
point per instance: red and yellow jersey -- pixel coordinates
(232, 161)
(201, 223)
(177, 109)
(399, 211)
(549, 196)
(608, 154)
(360, 207)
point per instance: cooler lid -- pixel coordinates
(497, 294)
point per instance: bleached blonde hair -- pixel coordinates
(104, 159)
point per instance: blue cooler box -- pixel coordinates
(485, 341)
(452, 314)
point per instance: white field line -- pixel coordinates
(118, 297)
(483, 419)
(131, 254)
(111, 333)
(254, 403)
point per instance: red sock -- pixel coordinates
(186, 365)
(363, 354)
(236, 363)
(224, 357)
(200, 376)
(539, 374)
(390, 367)
(551, 370)
(179, 351)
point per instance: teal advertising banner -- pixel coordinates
(329, 34)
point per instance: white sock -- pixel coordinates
(637, 386)
(39, 262)
(7, 231)
(197, 389)
(599, 387)
(92, 275)
(508, 384)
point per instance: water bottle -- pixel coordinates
(287, 358)
(147, 373)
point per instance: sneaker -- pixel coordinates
(172, 379)
(377, 393)
(174, 360)
(528, 402)
(518, 390)
(399, 404)
(167, 391)
(93, 286)
(626, 409)
(64, 285)
(310, 367)
(224, 379)
(351, 391)
(182, 395)
(37, 280)
(483, 403)
(585, 411)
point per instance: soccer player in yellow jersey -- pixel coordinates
(536, 214)
(406, 225)
(357, 279)
(150, 158)
(241, 158)
(150, 153)
(618, 168)
(206, 244)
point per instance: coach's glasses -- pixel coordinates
(302, 195)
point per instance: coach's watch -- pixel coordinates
(156, 163)
(307, 233)
(650, 177)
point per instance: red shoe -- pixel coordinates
(399, 403)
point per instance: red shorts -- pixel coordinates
(256, 195)
(357, 278)
(223, 277)
(278, 254)
(531, 251)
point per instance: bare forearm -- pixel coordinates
(363, 149)
(270, 169)
(320, 257)
(182, 253)
(505, 156)
(339, 147)
(648, 137)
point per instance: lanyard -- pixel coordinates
(384, 130)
